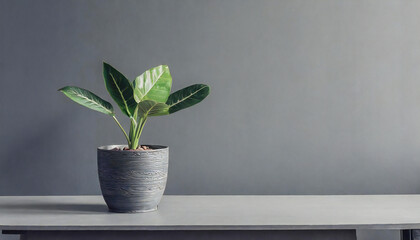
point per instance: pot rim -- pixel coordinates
(108, 148)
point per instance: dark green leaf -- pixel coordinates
(187, 97)
(154, 84)
(88, 99)
(152, 108)
(120, 89)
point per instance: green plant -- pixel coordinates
(149, 95)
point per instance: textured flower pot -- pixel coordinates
(132, 181)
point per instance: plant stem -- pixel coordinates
(133, 125)
(122, 129)
(139, 129)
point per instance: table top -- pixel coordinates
(215, 212)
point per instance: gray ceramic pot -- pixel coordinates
(132, 181)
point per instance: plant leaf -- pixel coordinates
(120, 89)
(88, 99)
(187, 97)
(154, 84)
(152, 108)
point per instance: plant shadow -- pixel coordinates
(44, 208)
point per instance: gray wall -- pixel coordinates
(308, 97)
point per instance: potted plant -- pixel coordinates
(133, 176)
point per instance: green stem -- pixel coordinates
(133, 125)
(141, 129)
(137, 135)
(122, 129)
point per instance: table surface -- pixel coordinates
(215, 212)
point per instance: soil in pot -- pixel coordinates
(139, 148)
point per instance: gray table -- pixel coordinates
(211, 217)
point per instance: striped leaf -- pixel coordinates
(120, 89)
(88, 99)
(154, 84)
(187, 97)
(152, 108)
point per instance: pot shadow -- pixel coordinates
(48, 208)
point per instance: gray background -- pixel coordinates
(308, 97)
